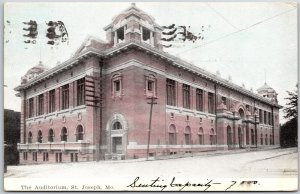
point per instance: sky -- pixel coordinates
(251, 42)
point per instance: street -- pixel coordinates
(273, 163)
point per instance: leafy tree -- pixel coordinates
(289, 130)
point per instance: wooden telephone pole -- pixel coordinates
(150, 118)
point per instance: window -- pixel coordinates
(65, 96)
(171, 92)
(29, 137)
(116, 85)
(260, 116)
(229, 136)
(41, 104)
(201, 136)
(186, 96)
(265, 117)
(80, 92)
(117, 126)
(199, 100)
(50, 135)
(187, 117)
(146, 35)
(51, 101)
(242, 114)
(252, 137)
(64, 134)
(247, 136)
(45, 156)
(58, 157)
(31, 108)
(79, 133)
(261, 139)
(187, 135)
(40, 137)
(120, 35)
(210, 102)
(270, 139)
(150, 86)
(24, 155)
(270, 118)
(34, 156)
(172, 135)
(266, 139)
(224, 100)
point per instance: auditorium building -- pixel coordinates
(95, 105)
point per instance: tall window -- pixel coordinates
(41, 104)
(224, 100)
(65, 96)
(201, 136)
(50, 135)
(247, 136)
(29, 137)
(40, 137)
(210, 103)
(261, 139)
(146, 35)
(80, 92)
(116, 85)
(186, 96)
(187, 135)
(150, 86)
(30, 108)
(242, 114)
(270, 118)
(64, 134)
(171, 92)
(79, 133)
(260, 116)
(199, 100)
(51, 101)
(252, 137)
(120, 35)
(265, 117)
(266, 139)
(172, 135)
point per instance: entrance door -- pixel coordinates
(117, 145)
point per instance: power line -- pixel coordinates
(219, 14)
(235, 32)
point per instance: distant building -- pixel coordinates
(95, 105)
(11, 136)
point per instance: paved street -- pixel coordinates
(273, 163)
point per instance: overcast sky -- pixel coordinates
(244, 40)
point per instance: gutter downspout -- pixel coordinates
(100, 106)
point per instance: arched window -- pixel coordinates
(29, 137)
(242, 114)
(172, 135)
(212, 136)
(50, 135)
(187, 135)
(40, 137)
(201, 136)
(117, 125)
(64, 134)
(79, 133)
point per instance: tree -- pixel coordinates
(289, 130)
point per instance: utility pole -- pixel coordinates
(150, 118)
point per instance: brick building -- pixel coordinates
(94, 106)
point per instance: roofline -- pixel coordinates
(133, 43)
